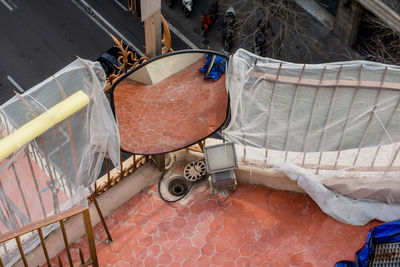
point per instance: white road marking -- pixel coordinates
(7, 5)
(181, 36)
(121, 5)
(15, 84)
(13, 4)
(95, 21)
(93, 13)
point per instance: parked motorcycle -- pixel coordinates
(229, 29)
(187, 7)
(208, 19)
(230, 17)
(227, 39)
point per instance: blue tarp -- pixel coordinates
(217, 69)
(382, 234)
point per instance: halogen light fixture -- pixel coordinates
(221, 160)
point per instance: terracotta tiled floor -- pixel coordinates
(169, 115)
(255, 226)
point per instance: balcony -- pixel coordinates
(267, 221)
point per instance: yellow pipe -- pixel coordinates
(42, 123)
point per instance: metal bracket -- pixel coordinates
(159, 161)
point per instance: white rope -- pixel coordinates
(43, 107)
(391, 140)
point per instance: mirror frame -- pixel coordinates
(186, 51)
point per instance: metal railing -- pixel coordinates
(57, 218)
(101, 187)
(352, 162)
(16, 217)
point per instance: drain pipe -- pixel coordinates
(193, 173)
(175, 200)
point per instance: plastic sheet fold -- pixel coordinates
(73, 127)
(335, 122)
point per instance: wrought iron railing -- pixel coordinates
(16, 217)
(101, 186)
(54, 219)
(354, 150)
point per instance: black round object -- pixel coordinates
(178, 186)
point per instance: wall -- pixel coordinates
(347, 21)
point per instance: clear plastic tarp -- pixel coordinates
(55, 170)
(334, 128)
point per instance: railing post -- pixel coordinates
(108, 173)
(305, 142)
(270, 110)
(332, 103)
(371, 116)
(21, 251)
(89, 233)
(46, 254)
(65, 238)
(103, 221)
(35, 182)
(292, 112)
(348, 116)
(122, 166)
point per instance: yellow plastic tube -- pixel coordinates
(42, 123)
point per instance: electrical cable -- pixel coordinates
(175, 200)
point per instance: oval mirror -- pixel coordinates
(171, 101)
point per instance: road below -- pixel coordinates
(40, 37)
(190, 26)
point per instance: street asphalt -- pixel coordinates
(40, 37)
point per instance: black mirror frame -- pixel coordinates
(187, 51)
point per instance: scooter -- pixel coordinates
(187, 7)
(229, 29)
(208, 19)
(227, 39)
(230, 17)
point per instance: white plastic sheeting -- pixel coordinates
(54, 171)
(316, 122)
(344, 209)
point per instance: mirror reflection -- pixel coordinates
(171, 102)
